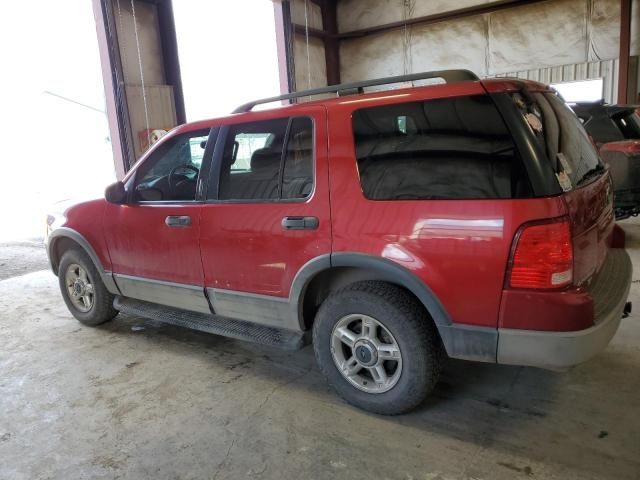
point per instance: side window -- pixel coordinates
(268, 160)
(297, 179)
(171, 173)
(558, 130)
(450, 148)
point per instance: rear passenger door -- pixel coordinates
(267, 212)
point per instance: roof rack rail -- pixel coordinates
(349, 88)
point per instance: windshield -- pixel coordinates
(562, 137)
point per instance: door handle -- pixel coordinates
(178, 221)
(300, 223)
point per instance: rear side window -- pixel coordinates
(297, 177)
(268, 160)
(450, 148)
(562, 136)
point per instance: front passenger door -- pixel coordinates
(153, 239)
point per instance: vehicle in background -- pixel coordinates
(471, 219)
(615, 129)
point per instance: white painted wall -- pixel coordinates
(359, 14)
(552, 33)
(310, 64)
(308, 52)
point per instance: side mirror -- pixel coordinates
(116, 193)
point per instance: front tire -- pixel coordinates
(377, 347)
(83, 290)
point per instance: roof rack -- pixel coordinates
(357, 87)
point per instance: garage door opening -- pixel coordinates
(581, 91)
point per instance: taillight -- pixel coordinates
(543, 256)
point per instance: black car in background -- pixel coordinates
(616, 131)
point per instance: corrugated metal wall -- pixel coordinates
(605, 69)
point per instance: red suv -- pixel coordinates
(469, 219)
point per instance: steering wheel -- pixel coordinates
(173, 174)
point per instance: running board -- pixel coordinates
(227, 327)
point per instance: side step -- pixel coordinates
(227, 327)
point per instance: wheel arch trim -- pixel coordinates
(460, 341)
(66, 232)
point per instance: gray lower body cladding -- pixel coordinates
(218, 325)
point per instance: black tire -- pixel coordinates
(410, 325)
(101, 310)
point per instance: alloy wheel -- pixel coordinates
(366, 353)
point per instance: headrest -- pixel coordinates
(378, 121)
(302, 141)
(265, 158)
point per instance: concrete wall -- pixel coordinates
(552, 33)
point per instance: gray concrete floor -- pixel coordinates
(138, 399)
(21, 257)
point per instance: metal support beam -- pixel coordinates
(328, 35)
(167, 30)
(625, 48)
(282, 48)
(331, 42)
(117, 107)
(114, 92)
(313, 32)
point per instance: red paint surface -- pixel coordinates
(592, 220)
(142, 245)
(244, 246)
(459, 248)
(630, 147)
(87, 219)
(564, 311)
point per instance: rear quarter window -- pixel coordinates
(442, 149)
(562, 137)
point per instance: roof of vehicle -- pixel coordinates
(492, 85)
(474, 84)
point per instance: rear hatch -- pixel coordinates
(583, 178)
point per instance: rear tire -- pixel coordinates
(385, 343)
(83, 290)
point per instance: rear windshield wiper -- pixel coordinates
(594, 172)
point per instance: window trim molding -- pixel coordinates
(130, 186)
(213, 183)
(516, 131)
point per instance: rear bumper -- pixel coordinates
(558, 350)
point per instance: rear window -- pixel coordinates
(562, 136)
(450, 148)
(629, 124)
